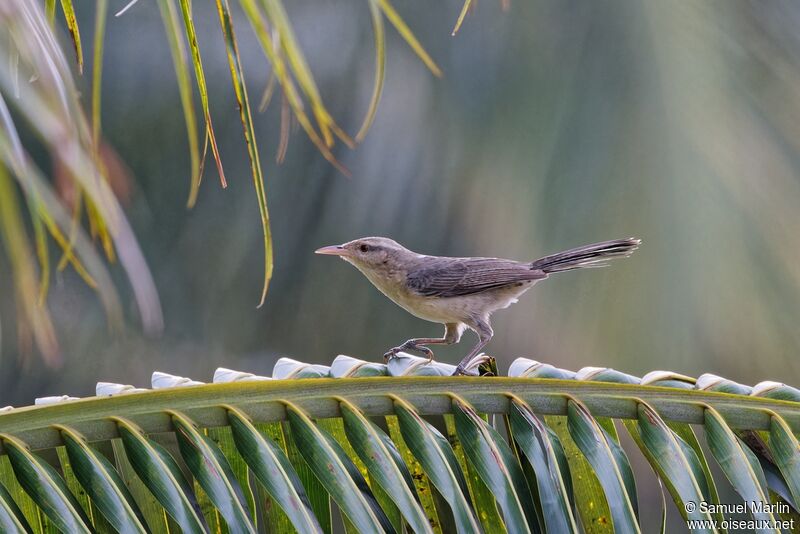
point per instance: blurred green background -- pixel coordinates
(557, 123)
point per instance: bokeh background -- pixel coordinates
(556, 123)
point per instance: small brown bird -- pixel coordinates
(460, 293)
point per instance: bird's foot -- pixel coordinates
(468, 365)
(388, 355)
(391, 353)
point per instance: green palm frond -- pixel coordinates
(537, 451)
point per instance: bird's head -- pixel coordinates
(370, 253)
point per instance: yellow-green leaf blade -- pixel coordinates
(103, 484)
(379, 32)
(403, 29)
(533, 438)
(246, 116)
(200, 78)
(337, 473)
(47, 489)
(675, 462)
(439, 463)
(497, 467)
(177, 49)
(11, 517)
(738, 463)
(163, 477)
(595, 444)
(101, 9)
(74, 31)
(423, 485)
(213, 474)
(384, 464)
(786, 453)
(480, 495)
(272, 468)
(461, 16)
(223, 439)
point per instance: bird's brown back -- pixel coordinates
(454, 277)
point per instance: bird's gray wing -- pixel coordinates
(453, 277)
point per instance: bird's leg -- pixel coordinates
(452, 334)
(485, 333)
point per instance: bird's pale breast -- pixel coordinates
(460, 309)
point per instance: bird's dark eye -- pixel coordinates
(363, 248)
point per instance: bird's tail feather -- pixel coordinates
(594, 255)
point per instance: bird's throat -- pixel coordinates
(390, 282)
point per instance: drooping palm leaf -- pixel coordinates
(74, 31)
(355, 441)
(53, 109)
(461, 16)
(50, 108)
(169, 15)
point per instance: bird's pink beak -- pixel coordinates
(333, 250)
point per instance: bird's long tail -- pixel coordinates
(594, 255)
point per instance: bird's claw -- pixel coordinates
(426, 351)
(391, 353)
